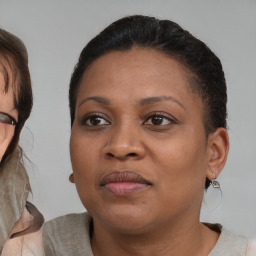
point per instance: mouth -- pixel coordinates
(124, 182)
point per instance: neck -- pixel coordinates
(190, 238)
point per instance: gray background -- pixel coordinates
(55, 31)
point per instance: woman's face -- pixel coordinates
(138, 145)
(8, 112)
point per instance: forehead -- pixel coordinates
(139, 69)
(7, 67)
(2, 83)
(10, 76)
(6, 96)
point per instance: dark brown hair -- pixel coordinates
(14, 68)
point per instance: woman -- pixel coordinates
(148, 117)
(20, 221)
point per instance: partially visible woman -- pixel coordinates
(20, 221)
(148, 117)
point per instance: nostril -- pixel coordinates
(132, 154)
(110, 155)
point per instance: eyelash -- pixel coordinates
(170, 119)
(163, 116)
(89, 117)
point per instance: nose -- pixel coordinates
(125, 143)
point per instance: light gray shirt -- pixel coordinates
(70, 235)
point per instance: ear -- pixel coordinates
(218, 146)
(71, 178)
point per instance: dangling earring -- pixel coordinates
(71, 178)
(214, 182)
(213, 195)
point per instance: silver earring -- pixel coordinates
(214, 182)
(212, 196)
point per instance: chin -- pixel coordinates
(124, 219)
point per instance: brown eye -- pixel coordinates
(94, 120)
(159, 120)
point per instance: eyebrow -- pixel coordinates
(152, 100)
(142, 102)
(97, 99)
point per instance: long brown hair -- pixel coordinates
(14, 67)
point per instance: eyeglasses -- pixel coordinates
(7, 119)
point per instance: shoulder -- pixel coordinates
(68, 235)
(66, 222)
(230, 244)
(251, 248)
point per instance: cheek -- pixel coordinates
(84, 157)
(2, 150)
(182, 175)
(182, 161)
(6, 135)
(2, 132)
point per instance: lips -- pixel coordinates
(124, 182)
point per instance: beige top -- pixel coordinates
(20, 221)
(70, 235)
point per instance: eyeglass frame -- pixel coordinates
(7, 119)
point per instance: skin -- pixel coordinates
(6, 106)
(175, 155)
